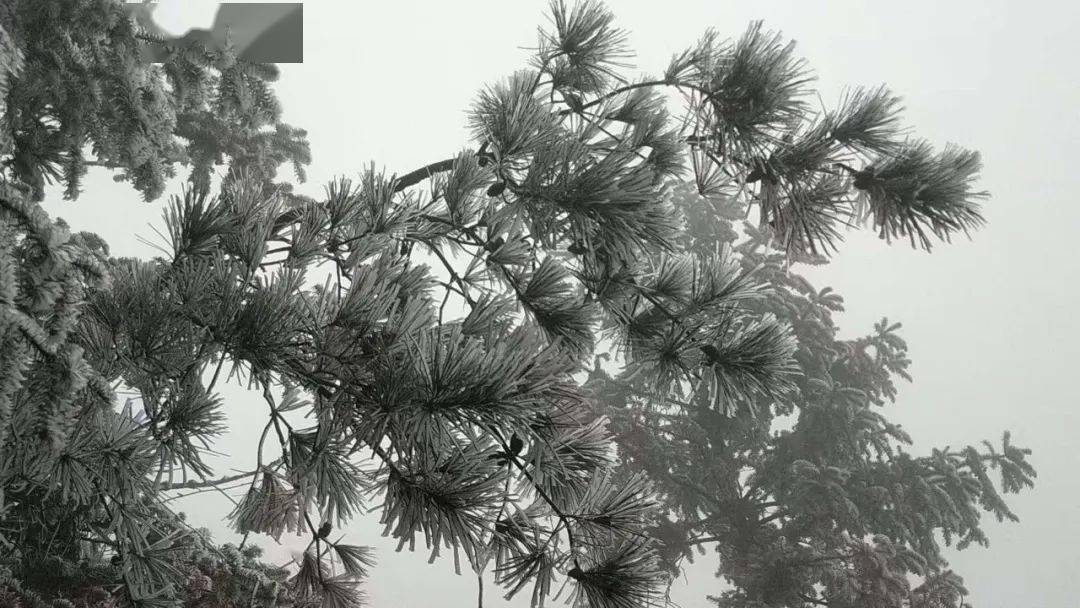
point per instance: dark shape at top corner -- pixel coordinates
(264, 32)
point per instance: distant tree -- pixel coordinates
(808, 497)
(466, 396)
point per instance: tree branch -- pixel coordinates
(415, 177)
(565, 519)
(206, 483)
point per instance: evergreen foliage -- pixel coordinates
(80, 519)
(80, 91)
(432, 342)
(812, 497)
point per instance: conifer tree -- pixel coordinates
(810, 497)
(80, 91)
(76, 518)
(431, 341)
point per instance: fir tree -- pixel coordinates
(431, 341)
(77, 517)
(80, 91)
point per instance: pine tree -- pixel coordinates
(76, 517)
(810, 497)
(431, 342)
(80, 91)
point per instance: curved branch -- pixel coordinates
(415, 177)
(206, 483)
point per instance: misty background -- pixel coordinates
(992, 323)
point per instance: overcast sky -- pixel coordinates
(992, 323)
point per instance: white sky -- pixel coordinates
(176, 17)
(992, 323)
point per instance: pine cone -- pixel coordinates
(496, 189)
(516, 444)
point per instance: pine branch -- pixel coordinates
(564, 520)
(418, 175)
(206, 483)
